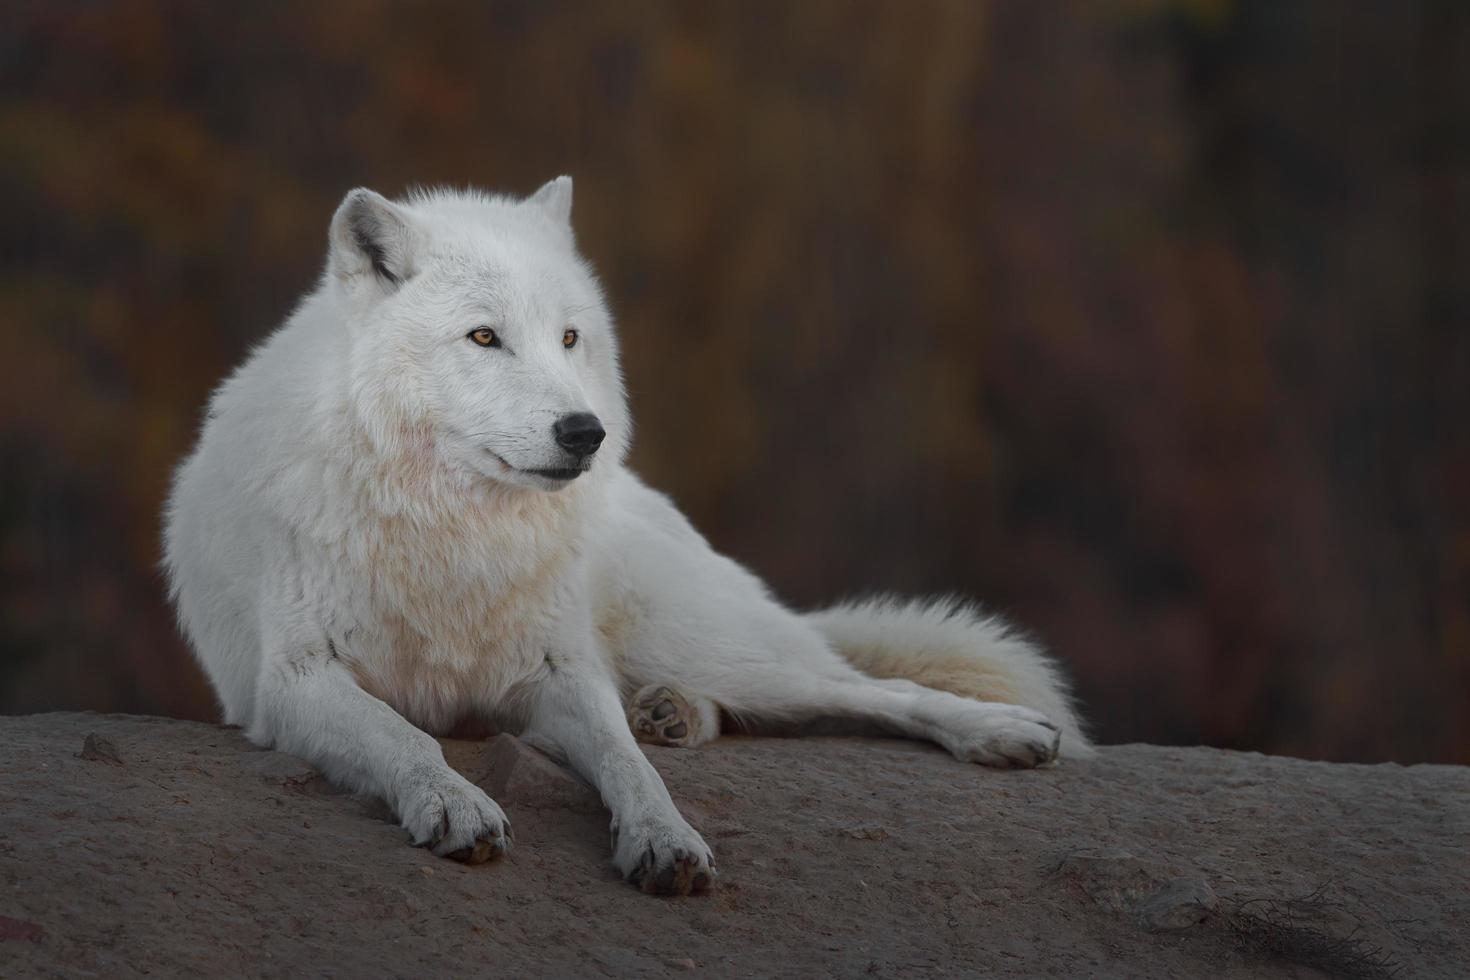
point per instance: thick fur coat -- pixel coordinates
(409, 508)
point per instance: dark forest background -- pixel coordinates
(1147, 322)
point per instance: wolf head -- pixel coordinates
(478, 334)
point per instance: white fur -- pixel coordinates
(361, 553)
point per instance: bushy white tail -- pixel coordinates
(949, 645)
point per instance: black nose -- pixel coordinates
(579, 433)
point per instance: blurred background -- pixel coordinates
(1146, 322)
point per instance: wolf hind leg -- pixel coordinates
(661, 715)
(991, 733)
(798, 685)
(793, 698)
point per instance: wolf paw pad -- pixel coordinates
(662, 716)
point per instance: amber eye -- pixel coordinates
(485, 337)
(569, 339)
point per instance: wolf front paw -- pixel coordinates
(662, 716)
(663, 858)
(455, 819)
(1005, 736)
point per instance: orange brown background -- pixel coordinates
(1146, 322)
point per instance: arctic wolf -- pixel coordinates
(409, 507)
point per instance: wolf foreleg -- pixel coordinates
(310, 705)
(575, 707)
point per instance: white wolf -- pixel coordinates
(409, 507)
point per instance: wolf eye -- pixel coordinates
(569, 339)
(485, 337)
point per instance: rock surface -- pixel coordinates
(142, 845)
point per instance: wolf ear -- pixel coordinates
(555, 198)
(372, 238)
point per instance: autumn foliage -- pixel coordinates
(1147, 322)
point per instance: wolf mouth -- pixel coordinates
(563, 473)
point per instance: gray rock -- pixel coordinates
(1179, 904)
(203, 856)
(517, 774)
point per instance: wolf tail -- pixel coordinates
(949, 645)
